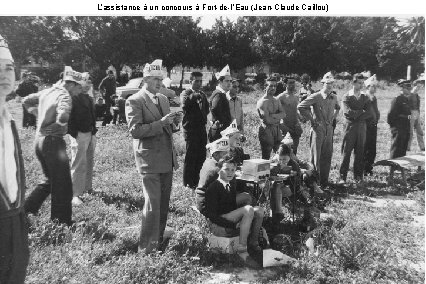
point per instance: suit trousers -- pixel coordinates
(194, 157)
(415, 125)
(321, 143)
(400, 136)
(82, 153)
(156, 191)
(370, 148)
(52, 155)
(14, 251)
(353, 139)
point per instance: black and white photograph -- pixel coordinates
(176, 147)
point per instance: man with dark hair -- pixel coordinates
(195, 110)
(26, 87)
(14, 252)
(219, 105)
(54, 108)
(325, 109)
(107, 87)
(356, 109)
(270, 112)
(289, 101)
(306, 88)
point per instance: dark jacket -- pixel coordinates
(109, 85)
(82, 117)
(220, 201)
(399, 112)
(219, 107)
(25, 88)
(6, 208)
(195, 110)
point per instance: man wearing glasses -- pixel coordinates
(236, 104)
(325, 110)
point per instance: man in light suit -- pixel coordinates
(151, 125)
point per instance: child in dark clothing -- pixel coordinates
(226, 217)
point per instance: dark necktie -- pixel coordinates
(228, 187)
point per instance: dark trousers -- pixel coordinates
(52, 154)
(270, 138)
(28, 119)
(353, 139)
(194, 157)
(295, 133)
(400, 137)
(370, 148)
(120, 116)
(14, 252)
(107, 115)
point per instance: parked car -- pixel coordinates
(134, 85)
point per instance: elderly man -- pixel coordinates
(371, 132)
(14, 252)
(107, 87)
(151, 125)
(219, 105)
(289, 100)
(356, 109)
(82, 128)
(325, 109)
(236, 104)
(195, 110)
(270, 112)
(54, 108)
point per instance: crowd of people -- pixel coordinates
(214, 149)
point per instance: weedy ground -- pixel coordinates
(360, 243)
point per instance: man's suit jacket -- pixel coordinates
(6, 208)
(152, 143)
(195, 108)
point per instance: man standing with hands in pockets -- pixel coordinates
(151, 125)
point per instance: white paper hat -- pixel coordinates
(287, 139)
(153, 69)
(4, 50)
(328, 78)
(221, 144)
(71, 75)
(231, 129)
(225, 72)
(167, 82)
(371, 81)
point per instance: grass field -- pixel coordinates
(362, 243)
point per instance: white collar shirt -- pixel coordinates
(7, 157)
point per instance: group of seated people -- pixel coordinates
(225, 200)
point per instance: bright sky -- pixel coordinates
(208, 21)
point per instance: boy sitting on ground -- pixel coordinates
(227, 219)
(210, 172)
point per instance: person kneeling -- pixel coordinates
(226, 218)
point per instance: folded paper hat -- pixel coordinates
(221, 144)
(154, 69)
(4, 50)
(328, 78)
(403, 82)
(287, 139)
(225, 72)
(71, 75)
(371, 81)
(231, 129)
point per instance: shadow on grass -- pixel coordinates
(126, 202)
(127, 246)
